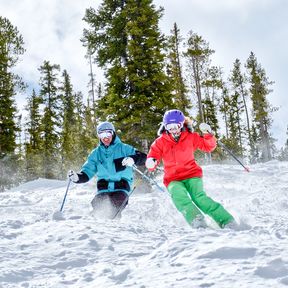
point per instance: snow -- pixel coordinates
(151, 245)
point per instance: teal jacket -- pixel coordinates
(106, 164)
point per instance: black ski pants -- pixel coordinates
(118, 201)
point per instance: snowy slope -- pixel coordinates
(151, 245)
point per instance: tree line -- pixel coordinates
(146, 73)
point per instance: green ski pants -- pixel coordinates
(189, 198)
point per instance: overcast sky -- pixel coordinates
(52, 28)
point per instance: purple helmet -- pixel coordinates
(173, 116)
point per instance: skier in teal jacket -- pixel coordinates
(111, 161)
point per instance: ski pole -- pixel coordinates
(152, 181)
(232, 154)
(121, 207)
(64, 199)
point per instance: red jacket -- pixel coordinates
(178, 157)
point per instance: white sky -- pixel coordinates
(52, 28)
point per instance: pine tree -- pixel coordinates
(69, 133)
(231, 108)
(11, 48)
(86, 131)
(51, 119)
(198, 57)
(224, 104)
(284, 151)
(259, 89)
(210, 115)
(234, 141)
(211, 85)
(180, 91)
(89, 132)
(255, 147)
(33, 140)
(127, 43)
(92, 81)
(238, 82)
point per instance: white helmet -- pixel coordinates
(103, 126)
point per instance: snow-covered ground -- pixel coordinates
(151, 245)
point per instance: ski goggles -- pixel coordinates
(173, 126)
(105, 134)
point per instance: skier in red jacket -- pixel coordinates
(175, 146)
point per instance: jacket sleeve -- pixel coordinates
(155, 151)
(83, 178)
(90, 166)
(139, 158)
(206, 143)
